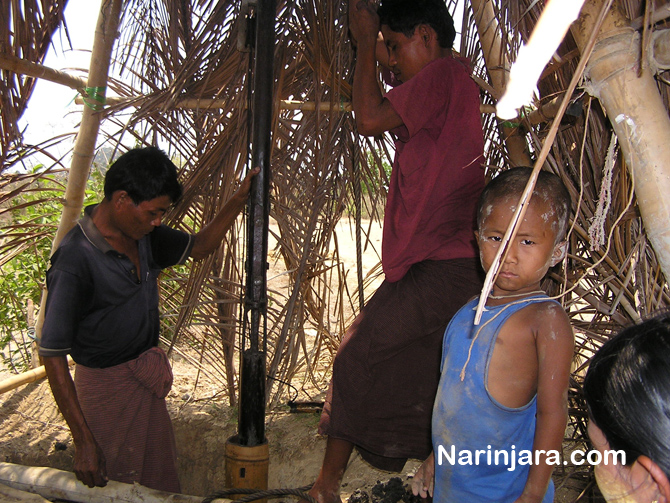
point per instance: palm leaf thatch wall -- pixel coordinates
(170, 54)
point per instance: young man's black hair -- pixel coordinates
(404, 16)
(144, 173)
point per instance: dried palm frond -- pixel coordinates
(26, 29)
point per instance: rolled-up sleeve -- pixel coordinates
(62, 312)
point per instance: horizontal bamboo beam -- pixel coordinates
(25, 67)
(304, 106)
(208, 103)
(26, 378)
(58, 484)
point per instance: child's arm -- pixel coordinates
(424, 478)
(555, 347)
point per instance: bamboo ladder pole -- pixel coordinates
(103, 43)
(638, 116)
(498, 68)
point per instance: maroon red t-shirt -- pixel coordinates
(437, 171)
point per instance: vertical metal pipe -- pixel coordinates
(252, 379)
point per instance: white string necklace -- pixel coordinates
(505, 306)
(514, 295)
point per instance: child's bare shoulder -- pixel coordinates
(545, 318)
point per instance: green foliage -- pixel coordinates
(27, 229)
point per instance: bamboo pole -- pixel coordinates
(25, 378)
(209, 103)
(546, 111)
(25, 67)
(637, 114)
(498, 68)
(84, 147)
(9, 494)
(216, 103)
(58, 484)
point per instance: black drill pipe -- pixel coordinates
(251, 425)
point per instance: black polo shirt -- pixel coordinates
(97, 310)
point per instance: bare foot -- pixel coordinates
(323, 494)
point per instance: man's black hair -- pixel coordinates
(627, 391)
(405, 15)
(512, 182)
(145, 174)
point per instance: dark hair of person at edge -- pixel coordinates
(627, 392)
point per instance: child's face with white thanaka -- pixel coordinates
(531, 253)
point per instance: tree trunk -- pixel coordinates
(637, 113)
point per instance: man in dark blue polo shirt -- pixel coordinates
(102, 309)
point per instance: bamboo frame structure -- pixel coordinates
(638, 115)
(498, 68)
(612, 277)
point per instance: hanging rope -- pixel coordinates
(597, 233)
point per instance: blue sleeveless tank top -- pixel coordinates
(482, 448)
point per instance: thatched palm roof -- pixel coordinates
(172, 51)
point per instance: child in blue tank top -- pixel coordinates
(501, 406)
